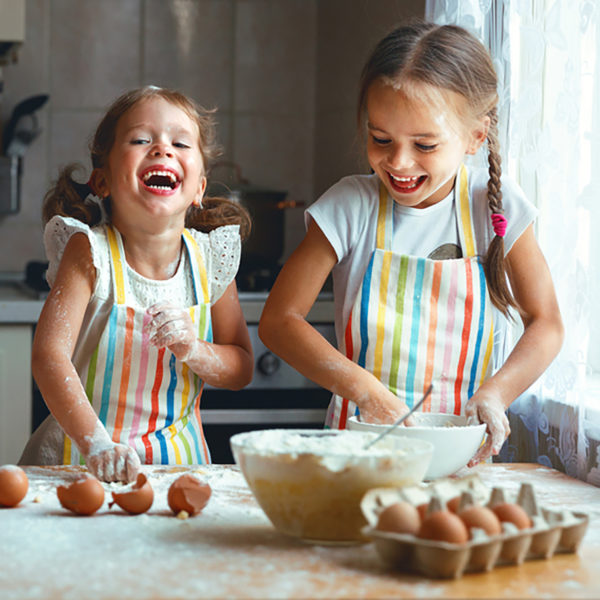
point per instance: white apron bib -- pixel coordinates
(418, 321)
(144, 396)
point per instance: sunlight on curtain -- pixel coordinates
(547, 54)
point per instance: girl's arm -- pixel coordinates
(55, 337)
(227, 362)
(542, 338)
(284, 329)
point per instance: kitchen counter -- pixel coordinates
(18, 305)
(231, 550)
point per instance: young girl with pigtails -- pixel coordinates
(427, 255)
(143, 306)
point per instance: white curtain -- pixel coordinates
(547, 55)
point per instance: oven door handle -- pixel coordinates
(213, 416)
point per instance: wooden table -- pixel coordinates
(231, 550)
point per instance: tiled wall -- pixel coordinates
(282, 74)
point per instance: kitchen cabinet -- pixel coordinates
(18, 315)
(15, 390)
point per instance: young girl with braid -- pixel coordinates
(427, 254)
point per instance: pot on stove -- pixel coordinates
(262, 251)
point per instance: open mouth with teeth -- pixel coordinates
(406, 185)
(160, 181)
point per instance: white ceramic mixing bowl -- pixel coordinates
(310, 482)
(454, 442)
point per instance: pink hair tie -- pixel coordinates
(499, 224)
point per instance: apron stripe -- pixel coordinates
(488, 356)
(414, 333)
(466, 331)
(91, 375)
(340, 422)
(431, 338)
(67, 450)
(174, 434)
(475, 363)
(110, 361)
(398, 323)
(171, 401)
(381, 312)
(364, 313)
(125, 372)
(184, 442)
(448, 349)
(139, 392)
(154, 401)
(465, 213)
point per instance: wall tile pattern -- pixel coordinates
(282, 75)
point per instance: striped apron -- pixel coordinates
(143, 395)
(418, 321)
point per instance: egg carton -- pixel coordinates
(552, 531)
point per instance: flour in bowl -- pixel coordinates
(317, 442)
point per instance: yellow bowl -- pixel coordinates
(310, 482)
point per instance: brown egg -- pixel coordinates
(422, 510)
(13, 485)
(401, 517)
(188, 493)
(444, 526)
(84, 496)
(453, 504)
(480, 517)
(137, 500)
(512, 513)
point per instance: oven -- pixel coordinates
(277, 397)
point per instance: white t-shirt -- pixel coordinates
(347, 216)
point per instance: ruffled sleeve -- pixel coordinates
(58, 232)
(222, 250)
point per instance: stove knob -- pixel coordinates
(268, 363)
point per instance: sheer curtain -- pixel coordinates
(547, 55)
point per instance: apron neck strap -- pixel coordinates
(464, 216)
(198, 268)
(464, 213)
(385, 220)
(118, 266)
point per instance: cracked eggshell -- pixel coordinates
(188, 493)
(13, 485)
(138, 499)
(84, 496)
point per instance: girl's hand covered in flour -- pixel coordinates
(172, 327)
(487, 408)
(109, 461)
(383, 408)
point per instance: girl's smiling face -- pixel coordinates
(155, 166)
(416, 147)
